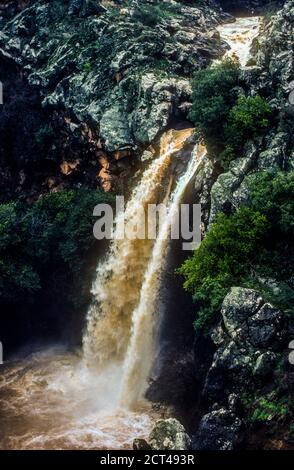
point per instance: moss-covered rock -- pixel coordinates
(109, 67)
(169, 434)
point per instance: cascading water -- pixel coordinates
(56, 400)
(120, 322)
(239, 36)
(119, 279)
(139, 356)
(73, 402)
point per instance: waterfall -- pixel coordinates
(121, 320)
(139, 356)
(53, 399)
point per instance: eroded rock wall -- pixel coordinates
(113, 75)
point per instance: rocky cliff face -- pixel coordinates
(250, 341)
(109, 76)
(271, 76)
(242, 380)
(87, 87)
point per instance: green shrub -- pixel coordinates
(51, 235)
(251, 244)
(273, 194)
(222, 117)
(248, 118)
(272, 407)
(17, 274)
(151, 15)
(268, 409)
(222, 259)
(214, 94)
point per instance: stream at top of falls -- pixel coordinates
(239, 36)
(94, 399)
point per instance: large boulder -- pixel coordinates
(265, 327)
(219, 430)
(247, 340)
(250, 333)
(169, 434)
(275, 156)
(250, 321)
(238, 305)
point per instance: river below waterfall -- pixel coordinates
(93, 399)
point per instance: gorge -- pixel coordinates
(127, 373)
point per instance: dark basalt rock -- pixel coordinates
(247, 336)
(106, 79)
(85, 8)
(249, 321)
(141, 444)
(109, 68)
(265, 327)
(219, 430)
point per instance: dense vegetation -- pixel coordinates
(245, 247)
(45, 253)
(223, 115)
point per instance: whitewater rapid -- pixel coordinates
(239, 36)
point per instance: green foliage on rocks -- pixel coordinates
(214, 94)
(223, 116)
(268, 410)
(52, 235)
(249, 117)
(271, 408)
(273, 195)
(222, 259)
(244, 247)
(151, 15)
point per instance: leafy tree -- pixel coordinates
(214, 94)
(17, 274)
(223, 257)
(252, 243)
(52, 235)
(224, 117)
(273, 194)
(248, 118)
